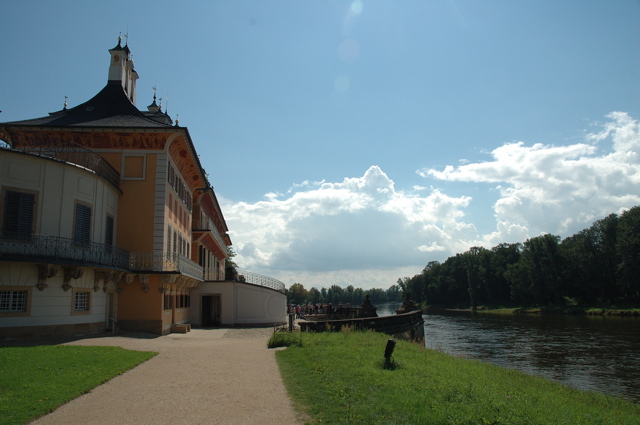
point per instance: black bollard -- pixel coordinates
(389, 364)
(388, 351)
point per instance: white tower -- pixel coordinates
(121, 69)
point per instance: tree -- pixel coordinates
(394, 293)
(228, 262)
(313, 296)
(535, 278)
(503, 255)
(348, 294)
(297, 294)
(628, 247)
(377, 295)
(335, 294)
(474, 277)
(358, 297)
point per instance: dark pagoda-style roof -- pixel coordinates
(111, 107)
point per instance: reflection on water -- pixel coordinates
(590, 353)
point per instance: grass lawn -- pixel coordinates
(340, 378)
(36, 380)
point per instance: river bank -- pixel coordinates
(573, 310)
(592, 352)
(341, 378)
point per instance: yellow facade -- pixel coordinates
(153, 170)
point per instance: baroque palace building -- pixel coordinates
(108, 220)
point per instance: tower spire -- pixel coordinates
(121, 68)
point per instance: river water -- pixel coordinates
(591, 353)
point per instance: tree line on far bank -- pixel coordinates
(596, 266)
(297, 294)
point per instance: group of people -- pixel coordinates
(306, 309)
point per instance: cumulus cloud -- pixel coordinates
(558, 189)
(366, 232)
(360, 226)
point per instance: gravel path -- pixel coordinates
(207, 376)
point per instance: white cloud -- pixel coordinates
(361, 226)
(365, 232)
(558, 189)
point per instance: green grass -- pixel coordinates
(36, 380)
(339, 377)
(284, 339)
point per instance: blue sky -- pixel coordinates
(352, 142)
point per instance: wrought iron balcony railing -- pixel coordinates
(168, 262)
(58, 250)
(261, 280)
(54, 249)
(66, 251)
(201, 224)
(72, 153)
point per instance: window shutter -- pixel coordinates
(83, 225)
(108, 237)
(18, 214)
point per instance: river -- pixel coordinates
(597, 353)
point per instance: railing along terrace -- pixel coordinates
(71, 153)
(262, 280)
(173, 262)
(201, 224)
(213, 274)
(55, 249)
(206, 224)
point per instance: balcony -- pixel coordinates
(64, 251)
(206, 225)
(169, 262)
(71, 153)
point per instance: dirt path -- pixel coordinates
(207, 376)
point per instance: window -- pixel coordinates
(181, 189)
(108, 236)
(82, 236)
(81, 301)
(13, 301)
(175, 241)
(167, 302)
(18, 215)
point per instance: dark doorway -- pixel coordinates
(211, 310)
